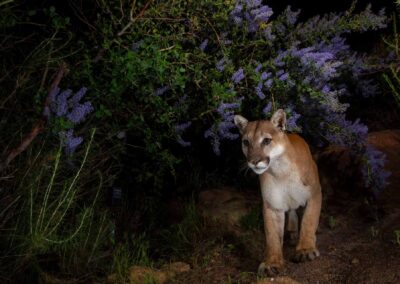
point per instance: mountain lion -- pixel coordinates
(288, 179)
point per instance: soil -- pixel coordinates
(354, 249)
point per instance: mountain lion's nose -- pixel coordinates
(256, 161)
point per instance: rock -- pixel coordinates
(142, 274)
(341, 174)
(225, 207)
(388, 141)
(277, 280)
(339, 169)
(355, 261)
(46, 278)
(179, 267)
(112, 278)
(175, 268)
(175, 211)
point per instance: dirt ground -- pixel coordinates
(353, 249)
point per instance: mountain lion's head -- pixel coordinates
(262, 140)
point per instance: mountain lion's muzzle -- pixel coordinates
(258, 165)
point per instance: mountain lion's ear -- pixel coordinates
(240, 122)
(279, 119)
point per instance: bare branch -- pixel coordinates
(39, 125)
(133, 19)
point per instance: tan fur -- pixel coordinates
(288, 179)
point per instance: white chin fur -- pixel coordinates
(259, 169)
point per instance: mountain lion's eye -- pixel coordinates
(246, 143)
(266, 141)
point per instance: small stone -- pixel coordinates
(225, 207)
(355, 261)
(141, 274)
(121, 135)
(112, 278)
(277, 280)
(172, 269)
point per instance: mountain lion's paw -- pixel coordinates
(269, 270)
(305, 255)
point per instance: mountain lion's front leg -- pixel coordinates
(306, 248)
(274, 223)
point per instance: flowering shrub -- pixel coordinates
(306, 68)
(177, 76)
(185, 79)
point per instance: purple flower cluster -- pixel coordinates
(355, 66)
(264, 82)
(79, 112)
(223, 129)
(69, 141)
(290, 16)
(267, 32)
(343, 132)
(258, 67)
(311, 59)
(160, 91)
(292, 120)
(259, 91)
(238, 76)
(224, 40)
(315, 66)
(179, 129)
(59, 102)
(221, 64)
(284, 76)
(267, 109)
(251, 14)
(367, 88)
(334, 57)
(283, 25)
(319, 66)
(63, 105)
(203, 45)
(137, 45)
(69, 107)
(212, 134)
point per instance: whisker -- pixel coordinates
(244, 168)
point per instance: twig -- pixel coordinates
(6, 2)
(134, 19)
(80, 15)
(167, 48)
(161, 19)
(10, 95)
(101, 52)
(40, 124)
(215, 31)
